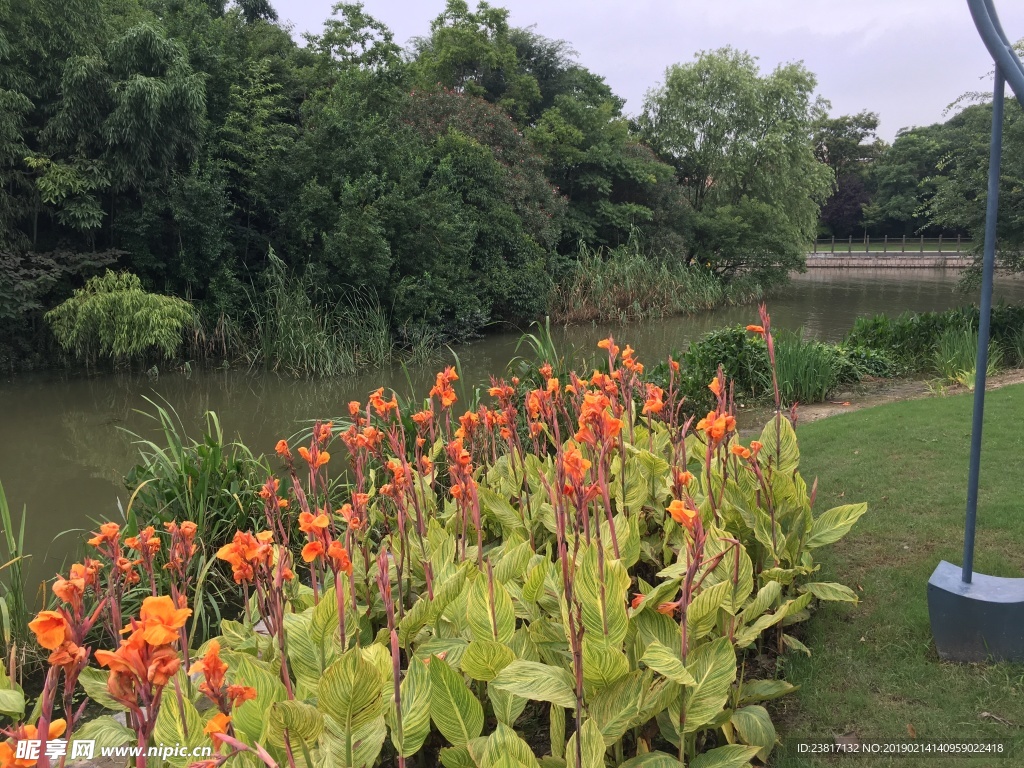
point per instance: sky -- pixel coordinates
(906, 60)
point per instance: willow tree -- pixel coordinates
(742, 145)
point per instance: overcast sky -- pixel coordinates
(904, 59)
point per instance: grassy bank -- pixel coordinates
(874, 670)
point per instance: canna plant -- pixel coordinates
(582, 565)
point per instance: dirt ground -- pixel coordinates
(871, 392)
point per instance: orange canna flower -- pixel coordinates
(312, 551)
(282, 449)
(239, 694)
(574, 465)
(161, 619)
(310, 524)
(668, 608)
(755, 447)
(684, 478)
(212, 668)
(217, 724)
(69, 590)
(654, 403)
(756, 329)
(354, 407)
(67, 655)
(50, 628)
(683, 514)
(637, 599)
(716, 387)
(339, 556)
(9, 757)
(108, 533)
(739, 450)
(163, 665)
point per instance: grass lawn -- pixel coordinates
(874, 670)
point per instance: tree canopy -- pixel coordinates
(183, 140)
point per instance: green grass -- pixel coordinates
(874, 669)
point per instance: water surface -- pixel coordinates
(64, 442)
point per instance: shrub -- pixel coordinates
(742, 357)
(114, 317)
(477, 579)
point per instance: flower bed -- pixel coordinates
(570, 577)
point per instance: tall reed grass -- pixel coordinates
(624, 284)
(299, 330)
(14, 613)
(212, 482)
(956, 356)
(808, 370)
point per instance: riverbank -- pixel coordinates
(873, 673)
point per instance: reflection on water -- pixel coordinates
(65, 443)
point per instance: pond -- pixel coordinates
(66, 440)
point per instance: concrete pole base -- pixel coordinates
(976, 622)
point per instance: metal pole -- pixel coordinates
(984, 321)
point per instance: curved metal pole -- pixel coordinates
(984, 323)
(991, 31)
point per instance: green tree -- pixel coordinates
(961, 189)
(848, 145)
(742, 145)
(475, 53)
(904, 178)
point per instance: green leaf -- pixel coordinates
(616, 708)
(107, 731)
(826, 590)
(603, 664)
(834, 524)
(490, 619)
(505, 744)
(713, 667)
(703, 612)
(533, 587)
(729, 756)
(499, 509)
(178, 722)
(789, 451)
(484, 659)
(415, 691)
(793, 644)
(304, 724)
(454, 709)
(414, 620)
(538, 682)
(652, 760)
(556, 730)
(12, 703)
(604, 611)
(94, 682)
(350, 692)
(247, 670)
(591, 747)
(764, 690)
(507, 706)
(457, 757)
(667, 663)
(359, 749)
(754, 726)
